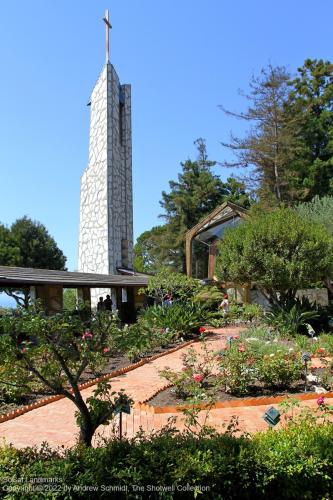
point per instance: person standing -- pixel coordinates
(225, 304)
(100, 304)
(108, 303)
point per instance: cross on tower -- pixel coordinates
(107, 28)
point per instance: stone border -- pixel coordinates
(241, 402)
(115, 373)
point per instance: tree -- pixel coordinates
(289, 147)
(151, 251)
(180, 286)
(266, 147)
(28, 244)
(69, 299)
(9, 252)
(319, 210)
(196, 193)
(279, 251)
(309, 112)
(56, 352)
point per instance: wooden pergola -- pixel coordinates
(207, 229)
(48, 285)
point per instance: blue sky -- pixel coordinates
(182, 57)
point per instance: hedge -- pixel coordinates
(291, 463)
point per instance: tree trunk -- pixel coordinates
(87, 428)
(87, 431)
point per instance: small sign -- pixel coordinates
(123, 408)
(272, 416)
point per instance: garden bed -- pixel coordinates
(167, 397)
(114, 363)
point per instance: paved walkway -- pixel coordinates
(55, 422)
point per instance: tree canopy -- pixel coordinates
(278, 251)
(27, 243)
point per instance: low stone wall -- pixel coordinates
(318, 295)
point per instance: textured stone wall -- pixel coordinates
(106, 213)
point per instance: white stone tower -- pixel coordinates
(106, 205)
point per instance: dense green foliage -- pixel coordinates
(319, 210)
(309, 112)
(69, 299)
(182, 319)
(291, 463)
(181, 287)
(278, 251)
(28, 244)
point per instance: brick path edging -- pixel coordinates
(115, 373)
(242, 402)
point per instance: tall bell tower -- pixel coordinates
(106, 201)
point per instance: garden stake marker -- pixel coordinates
(306, 357)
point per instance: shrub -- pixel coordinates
(196, 380)
(238, 369)
(292, 316)
(279, 369)
(182, 319)
(289, 463)
(179, 285)
(209, 296)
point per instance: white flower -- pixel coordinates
(272, 355)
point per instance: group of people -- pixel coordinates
(104, 304)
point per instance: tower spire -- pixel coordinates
(107, 30)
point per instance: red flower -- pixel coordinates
(106, 349)
(197, 377)
(202, 329)
(241, 348)
(321, 401)
(87, 335)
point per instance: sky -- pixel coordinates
(183, 59)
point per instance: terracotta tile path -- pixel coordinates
(55, 422)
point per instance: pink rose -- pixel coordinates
(321, 401)
(24, 349)
(197, 377)
(241, 348)
(106, 349)
(87, 335)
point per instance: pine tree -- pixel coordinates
(266, 147)
(310, 116)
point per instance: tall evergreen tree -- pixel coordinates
(196, 193)
(309, 112)
(266, 146)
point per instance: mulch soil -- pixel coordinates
(169, 398)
